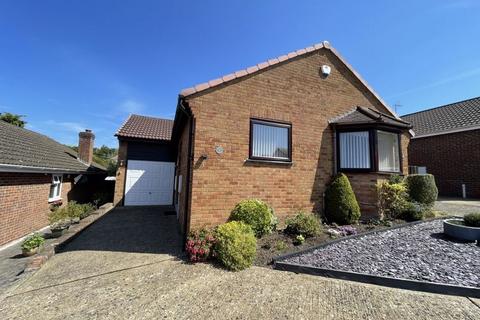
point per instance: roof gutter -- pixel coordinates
(30, 169)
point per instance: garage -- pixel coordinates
(146, 160)
(149, 183)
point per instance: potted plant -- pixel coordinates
(32, 244)
(467, 228)
(58, 228)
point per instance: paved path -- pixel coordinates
(131, 275)
(457, 206)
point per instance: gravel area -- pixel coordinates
(418, 252)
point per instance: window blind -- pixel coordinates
(354, 150)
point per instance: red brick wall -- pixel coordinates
(453, 159)
(24, 203)
(293, 92)
(121, 173)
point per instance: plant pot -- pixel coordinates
(56, 233)
(455, 228)
(29, 252)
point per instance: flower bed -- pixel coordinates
(281, 243)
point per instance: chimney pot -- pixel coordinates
(85, 146)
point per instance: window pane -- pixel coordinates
(270, 141)
(52, 192)
(354, 150)
(388, 155)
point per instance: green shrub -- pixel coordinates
(341, 205)
(472, 219)
(422, 188)
(303, 224)
(32, 242)
(299, 240)
(236, 245)
(71, 210)
(414, 211)
(392, 199)
(396, 178)
(281, 245)
(257, 214)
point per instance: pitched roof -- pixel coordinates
(144, 127)
(25, 150)
(454, 117)
(362, 115)
(271, 62)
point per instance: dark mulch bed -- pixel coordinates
(278, 243)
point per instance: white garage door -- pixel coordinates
(149, 183)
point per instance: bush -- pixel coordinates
(341, 205)
(32, 242)
(303, 224)
(257, 214)
(199, 245)
(422, 188)
(392, 199)
(235, 245)
(299, 240)
(415, 211)
(71, 210)
(396, 178)
(472, 219)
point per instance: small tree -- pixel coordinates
(15, 119)
(341, 205)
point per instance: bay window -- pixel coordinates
(369, 150)
(270, 140)
(388, 151)
(355, 150)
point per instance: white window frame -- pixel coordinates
(396, 153)
(58, 185)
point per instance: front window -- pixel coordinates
(55, 188)
(270, 141)
(355, 150)
(388, 151)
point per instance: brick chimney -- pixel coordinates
(85, 146)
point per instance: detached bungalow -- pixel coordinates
(277, 131)
(37, 172)
(447, 145)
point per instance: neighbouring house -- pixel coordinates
(447, 145)
(37, 172)
(278, 131)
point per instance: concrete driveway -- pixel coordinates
(457, 206)
(129, 266)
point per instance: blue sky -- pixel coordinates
(71, 65)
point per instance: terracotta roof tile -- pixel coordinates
(144, 127)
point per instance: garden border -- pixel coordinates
(38, 260)
(400, 283)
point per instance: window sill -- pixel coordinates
(53, 200)
(386, 173)
(279, 162)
